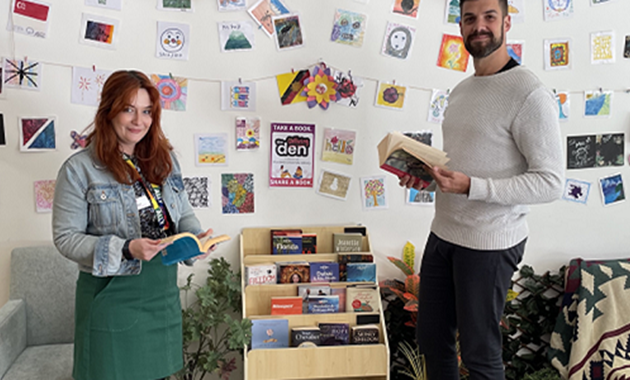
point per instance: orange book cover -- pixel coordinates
(286, 305)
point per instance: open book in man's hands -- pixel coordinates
(186, 245)
(403, 155)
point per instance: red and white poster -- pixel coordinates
(292, 155)
(30, 17)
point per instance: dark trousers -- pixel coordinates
(463, 289)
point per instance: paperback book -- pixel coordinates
(286, 305)
(293, 272)
(286, 242)
(361, 272)
(362, 299)
(347, 242)
(352, 257)
(305, 291)
(261, 274)
(365, 334)
(334, 333)
(270, 333)
(309, 243)
(305, 336)
(341, 293)
(185, 245)
(324, 272)
(323, 304)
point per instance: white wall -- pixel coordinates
(559, 231)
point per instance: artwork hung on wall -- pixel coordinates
(44, 195)
(589, 151)
(173, 91)
(419, 197)
(603, 47)
(21, 73)
(236, 36)
(198, 190)
(558, 9)
(453, 55)
(333, 184)
(3, 138)
(111, 4)
(611, 188)
(564, 105)
(557, 54)
(290, 86)
(231, 5)
(408, 8)
(452, 12)
(338, 145)
(263, 11)
(576, 190)
(288, 30)
(247, 133)
(173, 40)
(175, 5)
(349, 88)
(237, 193)
(626, 48)
(99, 31)
(398, 40)
(516, 10)
(390, 96)
(29, 17)
(238, 96)
(516, 50)
(211, 149)
(292, 155)
(37, 134)
(320, 87)
(374, 193)
(437, 106)
(87, 85)
(598, 104)
(348, 28)
(78, 140)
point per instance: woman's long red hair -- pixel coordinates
(152, 152)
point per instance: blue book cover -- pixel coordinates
(323, 304)
(359, 272)
(270, 333)
(287, 245)
(324, 272)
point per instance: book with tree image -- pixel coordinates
(186, 245)
(403, 155)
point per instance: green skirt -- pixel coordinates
(128, 327)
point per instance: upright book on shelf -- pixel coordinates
(347, 242)
(270, 333)
(261, 274)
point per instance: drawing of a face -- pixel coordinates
(172, 40)
(399, 42)
(558, 5)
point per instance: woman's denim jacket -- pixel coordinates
(93, 215)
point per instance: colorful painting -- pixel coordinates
(612, 189)
(247, 133)
(78, 140)
(333, 184)
(238, 96)
(87, 85)
(211, 149)
(173, 40)
(173, 91)
(198, 190)
(516, 50)
(390, 96)
(111, 4)
(288, 32)
(452, 12)
(236, 36)
(590, 151)
(175, 5)
(99, 31)
(290, 86)
(437, 106)
(419, 197)
(237, 193)
(22, 74)
(374, 193)
(292, 155)
(576, 190)
(263, 11)
(453, 54)
(564, 105)
(407, 8)
(557, 54)
(339, 145)
(231, 5)
(558, 9)
(320, 88)
(30, 17)
(349, 88)
(44, 195)
(516, 10)
(597, 103)
(349, 28)
(603, 47)
(37, 134)
(398, 40)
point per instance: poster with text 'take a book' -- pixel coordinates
(292, 155)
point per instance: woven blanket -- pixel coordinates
(591, 340)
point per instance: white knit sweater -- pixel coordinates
(502, 131)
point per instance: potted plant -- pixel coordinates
(212, 324)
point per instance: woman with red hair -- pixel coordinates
(114, 202)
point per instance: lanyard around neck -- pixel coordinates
(156, 200)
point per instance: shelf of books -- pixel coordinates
(313, 298)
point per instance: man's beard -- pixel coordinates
(481, 50)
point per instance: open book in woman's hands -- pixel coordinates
(185, 245)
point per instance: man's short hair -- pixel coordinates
(502, 3)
